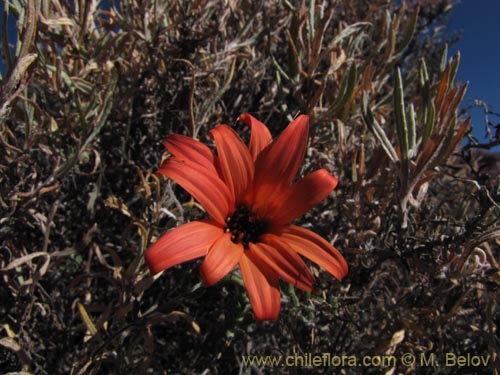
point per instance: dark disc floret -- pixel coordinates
(245, 226)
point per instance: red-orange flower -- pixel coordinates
(251, 198)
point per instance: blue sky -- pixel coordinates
(480, 54)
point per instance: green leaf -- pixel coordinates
(412, 132)
(399, 111)
(409, 31)
(446, 142)
(346, 89)
(444, 59)
(429, 123)
(455, 63)
(376, 129)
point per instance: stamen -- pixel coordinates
(244, 226)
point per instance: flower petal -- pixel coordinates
(262, 286)
(187, 242)
(317, 249)
(302, 196)
(278, 164)
(236, 165)
(222, 257)
(260, 136)
(284, 261)
(204, 185)
(189, 149)
(282, 159)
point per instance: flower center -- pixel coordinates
(244, 226)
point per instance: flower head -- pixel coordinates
(251, 198)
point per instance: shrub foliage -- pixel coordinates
(90, 89)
